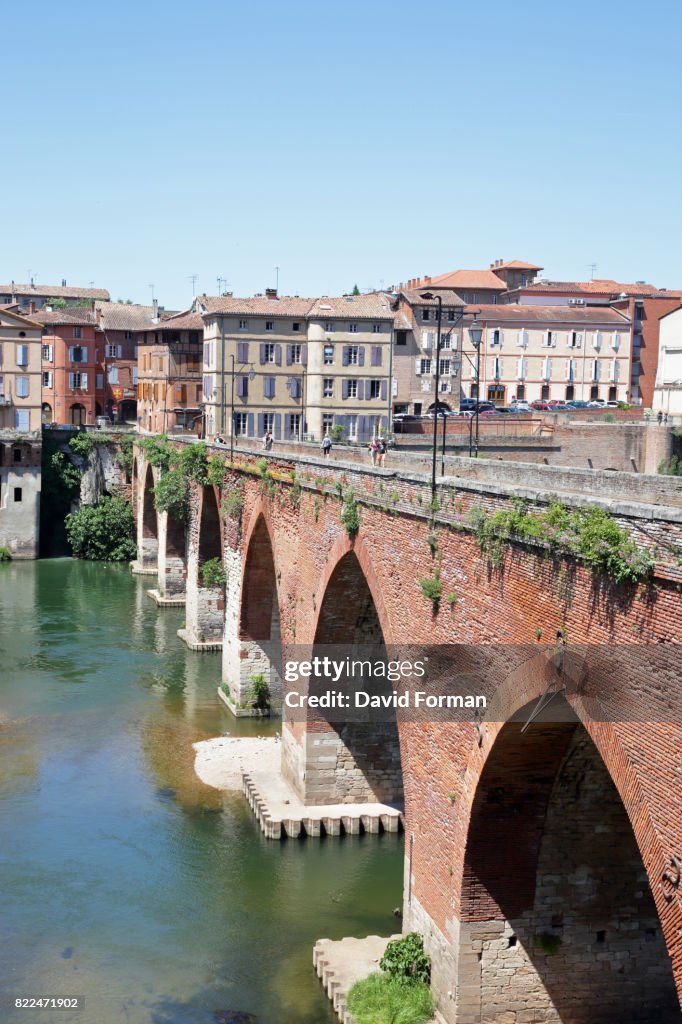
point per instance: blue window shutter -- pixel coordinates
(262, 353)
(362, 429)
(361, 390)
(250, 425)
(243, 352)
(70, 353)
(345, 358)
(278, 355)
(361, 355)
(344, 389)
(289, 355)
(261, 424)
(384, 389)
(85, 355)
(384, 422)
(304, 354)
(278, 426)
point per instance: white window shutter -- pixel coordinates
(119, 350)
(418, 366)
(596, 341)
(578, 341)
(521, 372)
(555, 336)
(454, 341)
(84, 381)
(615, 342)
(501, 338)
(547, 368)
(71, 380)
(523, 338)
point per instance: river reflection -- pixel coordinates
(124, 878)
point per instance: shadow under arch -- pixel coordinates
(259, 615)
(210, 528)
(150, 523)
(350, 761)
(556, 910)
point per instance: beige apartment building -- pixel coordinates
(20, 372)
(527, 353)
(296, 367)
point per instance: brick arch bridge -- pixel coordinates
(542, 861)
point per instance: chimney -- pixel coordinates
(270, 293)
(63, 282)
(155, 311)
(31, 306)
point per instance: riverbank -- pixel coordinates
(221, 762)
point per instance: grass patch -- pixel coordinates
(380, 999)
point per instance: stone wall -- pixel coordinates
(20, 482)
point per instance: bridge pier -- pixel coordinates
(146, 563)
(172, 562)
(204, 601)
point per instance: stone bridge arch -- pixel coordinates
(554, 905)
(147, 523)
(326, 760)
(204, 603)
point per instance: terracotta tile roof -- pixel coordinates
(449, 297)
(9, 310)
(401, 323)
(185, 321)
(518, 313)
(122, 316)
(256, 305)
(374, 306)
(514, 265)
(71, 315)
(466, 279)
(54, 291)
(601, 286)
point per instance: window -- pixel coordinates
(329, 327)
(376, 355)
(352, 354)
(351, 388)
(496, 393)
(570, 392)
(401, 338)
(521, 392)
(594, 392)
(548, 339)
(268, 353)
(575, 339)
(134, 375)
(128, 335)
(295, 353)
(16, 454)
(22, 387)
(445, 341)
(544, 392)
(613, 393)
(426, 315)
(242, 351)
(241, 423)
(2, 386)
(296, 326)
(17, 494)
(269, 387)
(294, 425)
(208, 386)
(47, 379)
(495, 337)
(444, 367)
(99, 381)
(328, 387)
(243, 325)
(78, 354)
(352, 328)
(327, 422)
(22, 355)
(113, 374)
(328, 355)
(425, 366)
(374, 389)
(47, 353)
(242, 386)
(376, 328)
(77, 332)
(112, 351)
(352, 427)
(452, 316)
(269, 325)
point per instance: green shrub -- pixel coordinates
(432, 589)
(5, 555)
(671, 466)
(216, 470)
(608, 417)
(158, 451)
(171, 494)
(213, 573)
(380, 999)
(350, 517)
(259, 692)
(103, 532)
(233, 504)
(262, 466)
(194, 462)
(406, 960)
(336, 433)
(83, 443)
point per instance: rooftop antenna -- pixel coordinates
(193, 279)
(277, 278)
(593, 267)
(152, 288)
(222, 283)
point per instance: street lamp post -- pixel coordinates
(439, 299)
(252, 376)
(476, 334)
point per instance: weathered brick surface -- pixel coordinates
(317, 574)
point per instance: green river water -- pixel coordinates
(124, 878)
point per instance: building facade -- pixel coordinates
(70, 340)
(527, 353)
(20, 372)
(169, 375)
(31, 297)
(667, 396)
(296, 367)
(116, 376)
(20, 481)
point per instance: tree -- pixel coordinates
(103, 532)
(356, 290)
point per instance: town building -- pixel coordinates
(116, 375)
(70, 359)
(297, 367)
(169, 394)
(20, 482)
(20, 372)
(31, 297)
(527, 353)
(484, 286)
(667, 396)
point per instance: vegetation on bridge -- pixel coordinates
(103, 532)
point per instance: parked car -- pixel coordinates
(613, 405)
(402, 418)
(541, 406)
(465, 414)
(577, 404)
(520, 407)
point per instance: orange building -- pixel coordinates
(116, 378)
(169, 393)
(69, 359)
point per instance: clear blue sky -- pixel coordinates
(346, 142)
